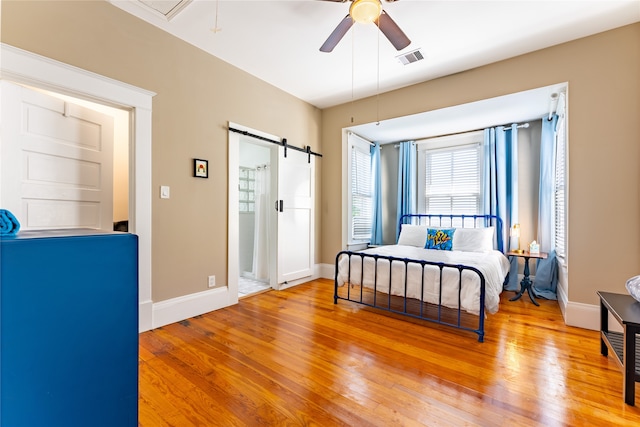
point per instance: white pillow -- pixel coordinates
(413, 235)
(473, 239)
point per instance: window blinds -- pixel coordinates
(560, 191)
(361, 197)
(453, 180)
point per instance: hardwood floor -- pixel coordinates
(294, 358)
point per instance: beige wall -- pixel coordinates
(603, 72)
(196, 95)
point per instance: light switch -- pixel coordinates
(164, 192)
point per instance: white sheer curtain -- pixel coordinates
(261, 233)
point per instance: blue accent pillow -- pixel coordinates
(440, 238)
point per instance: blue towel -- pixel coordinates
(9, 225)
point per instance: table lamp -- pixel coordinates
(515, 239)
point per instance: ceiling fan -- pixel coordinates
(366, 11)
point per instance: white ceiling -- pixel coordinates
(279, 41)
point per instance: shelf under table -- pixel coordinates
(616, 342)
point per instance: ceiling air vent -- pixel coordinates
(410, 57)
(166, 8)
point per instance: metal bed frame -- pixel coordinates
(418, 308)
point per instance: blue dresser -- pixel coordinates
(69, 329)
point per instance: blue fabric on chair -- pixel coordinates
(546, 281)
(9, 225)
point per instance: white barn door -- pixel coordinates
(56, 161)
(295, 205)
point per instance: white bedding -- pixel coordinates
(493, 265)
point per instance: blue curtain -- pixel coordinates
(546, 281)
(407, 158)
(376, 186)
(500, 185)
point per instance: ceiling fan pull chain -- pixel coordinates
(378, 87)
(215, 28)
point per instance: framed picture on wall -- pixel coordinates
(200, 168)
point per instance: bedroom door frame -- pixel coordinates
(23, 67)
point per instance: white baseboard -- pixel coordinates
(327, 271)
(145, 316)
(184, 307)
(585, 316)
(563, 300)
(155, 315)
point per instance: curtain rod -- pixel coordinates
(363, 139)
(282, 143)
(520, 126)
(506, 128)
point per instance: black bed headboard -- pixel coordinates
(458, 221)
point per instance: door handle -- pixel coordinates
(279, 205)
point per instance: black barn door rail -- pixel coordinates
(282, 143)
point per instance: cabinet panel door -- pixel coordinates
(69, 330)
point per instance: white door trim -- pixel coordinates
(28, 68)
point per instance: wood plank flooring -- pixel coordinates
(294, 358)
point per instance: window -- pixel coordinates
(247, 182)
(560, 190)
(360, 203)
(449, 175)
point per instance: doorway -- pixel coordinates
(254, 215)
(30, 69)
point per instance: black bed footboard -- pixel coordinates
(446, 294)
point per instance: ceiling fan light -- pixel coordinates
(365, 11)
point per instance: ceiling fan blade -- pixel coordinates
(390, 29)
(337, 34)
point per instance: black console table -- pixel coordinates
(626, 311)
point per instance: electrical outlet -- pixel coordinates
(212, 281)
